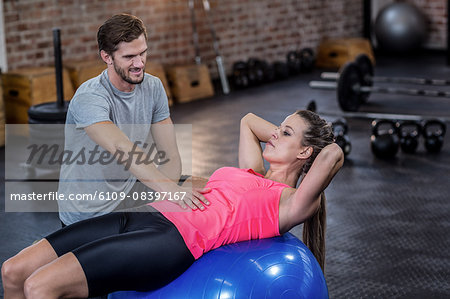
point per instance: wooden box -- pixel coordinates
(334, 53)
(189, 82)
(157, 70)
(23, 88)
(81, 71)
(2, 117)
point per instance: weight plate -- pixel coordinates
(48, 113)
(365, 66)
(349, 97)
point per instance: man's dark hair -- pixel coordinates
(119, 28)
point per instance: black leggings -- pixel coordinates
(134, 250)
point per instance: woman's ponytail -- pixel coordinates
(318, 135)
(314, 232)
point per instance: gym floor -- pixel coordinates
(388, 230)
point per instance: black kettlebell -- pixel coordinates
(340, 129)
(409, 132)
(307, 60)
(281, 70)
(268, 71)
(384, 144)
(240, 74)
(293, 62)
(434, 132)
(255, 71)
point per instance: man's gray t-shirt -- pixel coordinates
(95, 187)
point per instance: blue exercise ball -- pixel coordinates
(400, 27)
(279, 267)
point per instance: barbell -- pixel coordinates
(353, 89)
(366, 67)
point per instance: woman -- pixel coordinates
(142, 251)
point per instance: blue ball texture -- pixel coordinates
(279, 267)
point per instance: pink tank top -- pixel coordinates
(243, 206)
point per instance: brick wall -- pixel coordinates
(436, 13)
(247, 28)
(261, 28)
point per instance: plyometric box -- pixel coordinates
(81, 71)
(189, 82)
(156, 69)
(23, 88)
(334, 53)
(2, 116)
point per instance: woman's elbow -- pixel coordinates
(246, 118)
(334, 153)
(339, 155)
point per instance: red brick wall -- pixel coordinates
(261, 28)
(436, 12)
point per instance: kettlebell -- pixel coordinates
(255, 72)
(384, 144)
(307, 60)
(434, 132)
(240, 74)
(409, 132)
(293, 62)
(340, 129)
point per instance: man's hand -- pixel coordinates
(194, 198)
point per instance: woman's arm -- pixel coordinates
(253, 130)
(301, 204)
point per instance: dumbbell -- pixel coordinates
(434, 132)
(340, 129)
(384, 143)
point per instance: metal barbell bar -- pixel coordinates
(374, 115)
(399, 80)
(388, 90)
(353, 90)
(366, 67)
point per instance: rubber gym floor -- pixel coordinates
(388, 232)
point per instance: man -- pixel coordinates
(108, 130)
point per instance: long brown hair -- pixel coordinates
(318, 135)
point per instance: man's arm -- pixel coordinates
(111, 138)
(164, 137)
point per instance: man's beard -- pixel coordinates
(122, 74)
